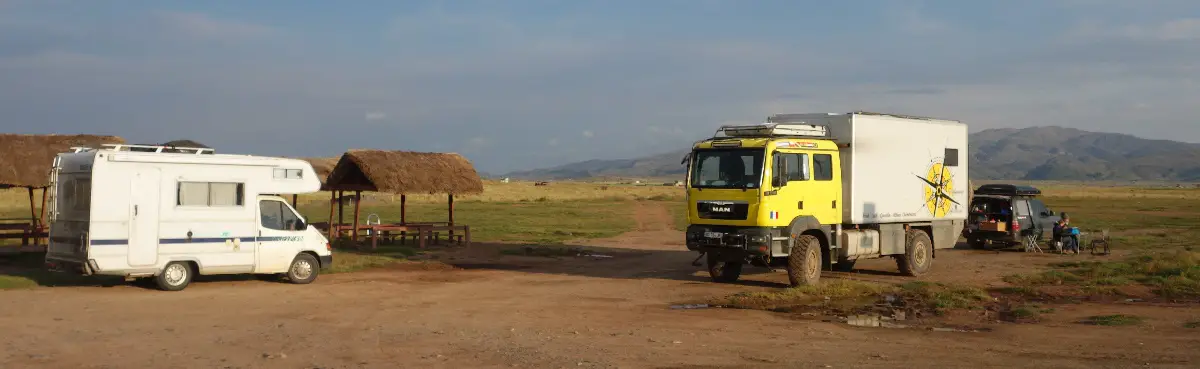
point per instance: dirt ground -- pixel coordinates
(485, 310)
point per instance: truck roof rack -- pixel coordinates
(158, 148)
(772, 130)
(1007, 190)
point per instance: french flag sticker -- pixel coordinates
(774, 215)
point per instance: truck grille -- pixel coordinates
(726, 210)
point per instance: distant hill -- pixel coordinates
(1038, 153)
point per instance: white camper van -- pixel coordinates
(173, 213)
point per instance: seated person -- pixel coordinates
(1069, 236)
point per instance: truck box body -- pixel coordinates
(890, 164)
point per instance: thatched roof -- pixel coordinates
(25, 160)
(403, 172)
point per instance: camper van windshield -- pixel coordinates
(727, 168)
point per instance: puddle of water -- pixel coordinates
(872, 321)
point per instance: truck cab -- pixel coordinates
(746, 194)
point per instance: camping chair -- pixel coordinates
(1101, 243)
(1031, 243)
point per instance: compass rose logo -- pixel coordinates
(939, 183)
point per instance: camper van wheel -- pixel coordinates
(174, 277)
(303, 269)
(918, 254)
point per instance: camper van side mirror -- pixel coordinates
(301, 226)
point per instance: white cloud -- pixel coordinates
(375, 116)
(588, 134)
(1179, 29)
(203, 26)
(552, 142)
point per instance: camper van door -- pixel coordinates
(143, 213)
(279, 239)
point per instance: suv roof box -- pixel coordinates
(1007, 190)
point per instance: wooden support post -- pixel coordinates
(450, 233)
(45, 194)
(341, 210)
(357, 210)
(294, 198)
(332, 227)
(32, 209)
(403, 201)
(42, 219)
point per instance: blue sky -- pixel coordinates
(525, 84)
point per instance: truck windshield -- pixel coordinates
(727, 168)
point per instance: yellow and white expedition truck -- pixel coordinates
(814, 192)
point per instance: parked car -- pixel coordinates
(994, 208)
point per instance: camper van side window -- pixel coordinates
(210, 194)
(281, 173)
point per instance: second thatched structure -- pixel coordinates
(25, 161)
(402, 173)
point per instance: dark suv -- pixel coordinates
(994, 208)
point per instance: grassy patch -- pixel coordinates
(939, 297)
(1192, 324)
(1113, 320)
(353, 261)
(1168, 274)
(1023, 314)
(544, 222)
(846, 295)
(10, 282)
(679, 213)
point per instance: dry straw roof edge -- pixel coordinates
(405, 172)
(25, 160)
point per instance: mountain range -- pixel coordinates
(1036, 153)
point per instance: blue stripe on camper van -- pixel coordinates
(170, 241)
(109, 242)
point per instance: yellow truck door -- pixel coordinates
(813, 188)
(787, 200)
(825, 188)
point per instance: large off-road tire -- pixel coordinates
(844, 265)
(304, 269)
(804, 261)
(918, 254)
(175, 276)
(724, 271)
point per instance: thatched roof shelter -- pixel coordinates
(403, 172)
(25, 160)
(398, 172)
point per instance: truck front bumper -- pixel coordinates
(712, 238)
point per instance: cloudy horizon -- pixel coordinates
(528, 84)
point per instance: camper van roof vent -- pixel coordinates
(773, 130)
(159, 149)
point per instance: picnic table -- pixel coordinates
(29, 232)
(420, 232)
